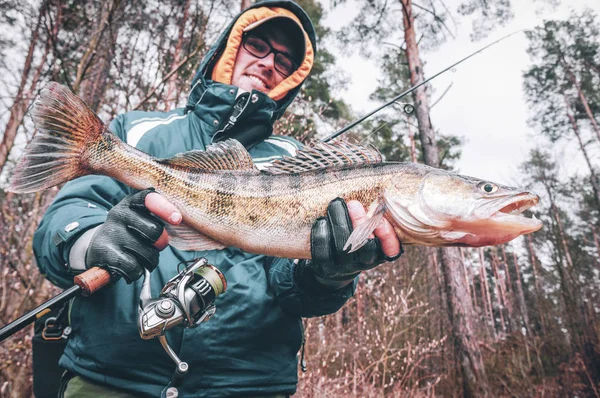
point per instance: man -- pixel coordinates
(249, 348)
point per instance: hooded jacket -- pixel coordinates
(250, 346)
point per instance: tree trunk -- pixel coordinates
(98, 47)
(462, 259)
(569, 287)
(593, 178)
(470, 280)
(466, 342)
(522, 306)
(536, 281)
(596, 240)
(506, 270)
(561, 235)
(585, 103)
(172, 85)
(413, 146)
(485, 295)
(95, 82)
(503, 306)
(521, 296)
(460, 310)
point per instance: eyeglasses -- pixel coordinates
(260, 49)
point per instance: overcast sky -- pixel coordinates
(486, 103)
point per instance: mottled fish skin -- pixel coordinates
(226, 201)
(270, 214)
(256, 212)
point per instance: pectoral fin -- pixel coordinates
(184, 237)
(358, 238)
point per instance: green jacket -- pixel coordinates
(250, 346)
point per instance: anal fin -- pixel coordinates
(184, 237)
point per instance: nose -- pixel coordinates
(268, 61)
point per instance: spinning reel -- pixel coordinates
(187, 300)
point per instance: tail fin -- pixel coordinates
(67, 127)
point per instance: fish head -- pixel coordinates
(447, 209)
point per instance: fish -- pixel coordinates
(226, 201)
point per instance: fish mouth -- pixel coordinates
(510, 213)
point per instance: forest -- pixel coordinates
(520, 319)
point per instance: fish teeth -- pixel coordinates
(534, 217)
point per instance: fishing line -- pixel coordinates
(413, 88)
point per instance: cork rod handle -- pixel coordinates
(92, 280)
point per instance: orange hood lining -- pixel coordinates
(223, 70)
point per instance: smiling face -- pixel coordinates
(251, 72)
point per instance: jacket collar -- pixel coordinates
(229, 113)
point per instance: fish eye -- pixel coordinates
(488, 187)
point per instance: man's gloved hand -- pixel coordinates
(124, 244)
(331, 266)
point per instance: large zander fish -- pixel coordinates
(226, 201)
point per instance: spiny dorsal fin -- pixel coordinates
(225, 155)
(323, 156)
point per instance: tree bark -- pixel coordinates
(460, 310)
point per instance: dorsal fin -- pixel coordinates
(322, 156)
(225, 155)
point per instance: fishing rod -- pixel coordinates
(86, 284)
(413, 88)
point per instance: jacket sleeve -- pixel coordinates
(80, 205)
(303, 301)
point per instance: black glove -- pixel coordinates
(124, 243)
(331, 266)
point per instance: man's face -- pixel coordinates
(251, 72)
